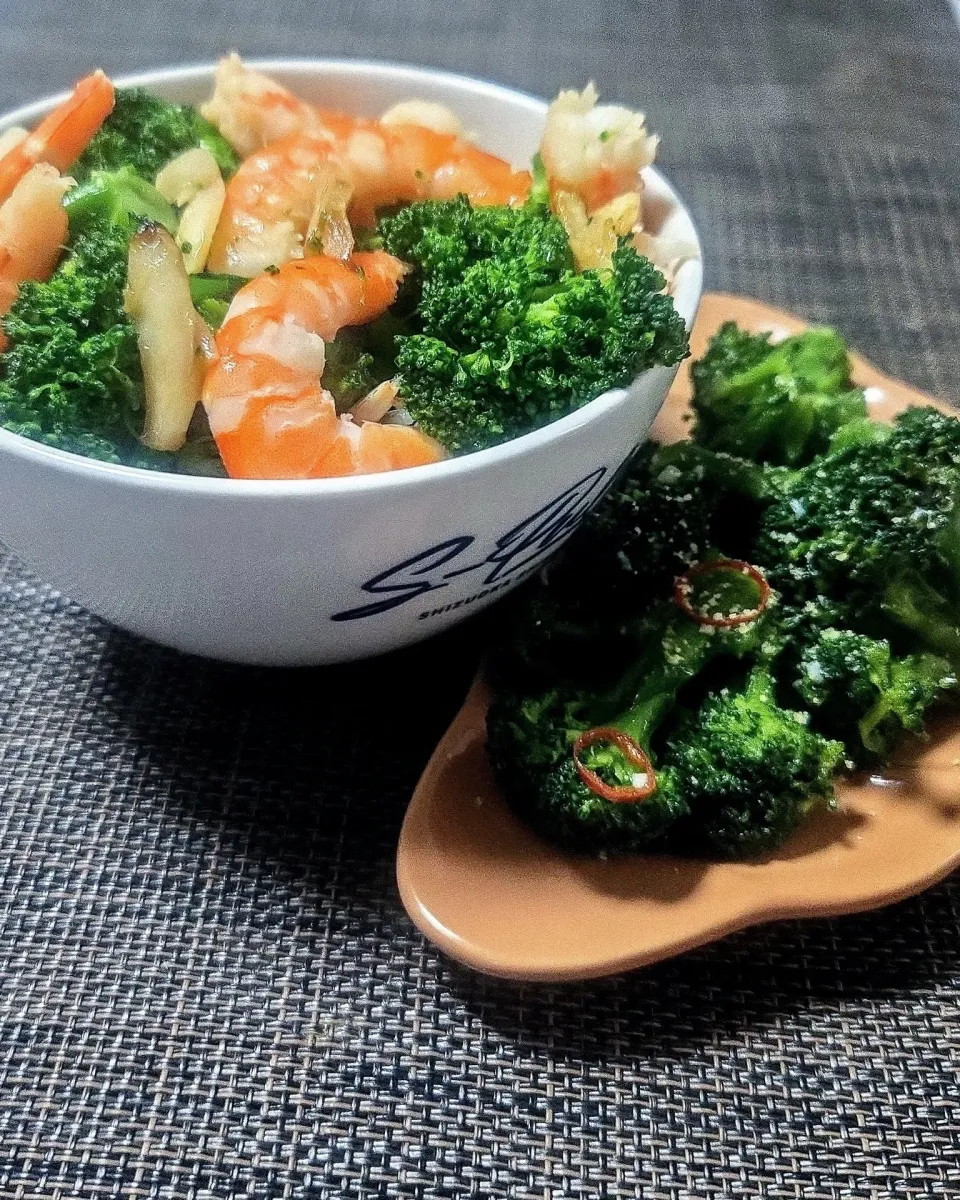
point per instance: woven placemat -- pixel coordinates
(207, 987)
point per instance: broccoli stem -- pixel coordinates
(208, 285)
(650, 687)
(119, 197)
(725, 472)
(870, 722)
(920, 608)
(539, 196)
(677, 650)
(211, 295)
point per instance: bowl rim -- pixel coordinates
(478, 460)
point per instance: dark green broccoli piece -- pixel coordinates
(722, 474)
(862, 546)
(859, 692)
(360, 357)
(349, 373)
(511, 337)
(668, 506)
(749, 771)
(644, 532)
(530, 742)
(868, 538)
(773, 403)
(558, 806)
(144, 132)
(531, 731)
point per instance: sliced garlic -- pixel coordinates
(377, 403)
(170, 336)
(193, 182)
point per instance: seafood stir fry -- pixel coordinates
(268, 289)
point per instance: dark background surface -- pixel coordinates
(208, 988)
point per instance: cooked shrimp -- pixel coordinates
(406, 162)
(426, 114)
(268, 412)
(62, 135)
(413, 155)
(596, 152)
(251, 110)
(33, 229)
(12, 137)
(268, 206)
(272, 196)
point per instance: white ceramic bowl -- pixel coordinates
(321, 571)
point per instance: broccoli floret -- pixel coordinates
(360, 357)
(531, 732)
(145, 132)
(647, 529)
(722, 473)
(859, 692)
(530, 748)
(869, 536)
(71, 374)
(669, 504)
(510, 337)
(749, 771)
(773, 403)
(349, 373)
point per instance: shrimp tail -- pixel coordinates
(382, 274)
(62, 135)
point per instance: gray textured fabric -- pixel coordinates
(208, 988)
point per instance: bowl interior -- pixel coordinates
(504, 121)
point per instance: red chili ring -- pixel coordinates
(684, 584)
(630, 750)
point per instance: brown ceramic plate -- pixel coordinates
(491, 894)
